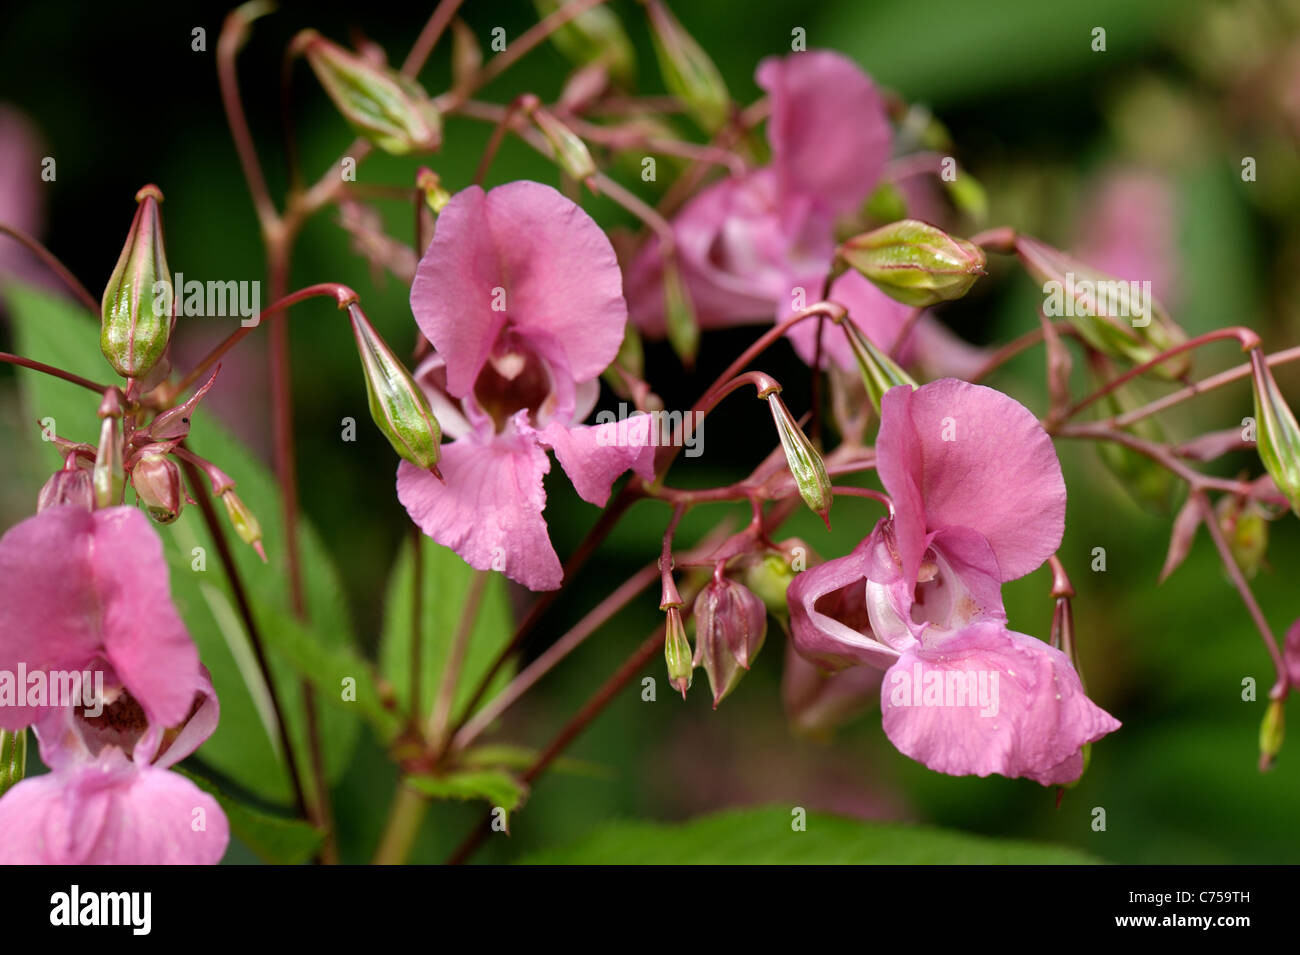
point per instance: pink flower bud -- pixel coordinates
(730, 624)
(157, 482)
(71, 486)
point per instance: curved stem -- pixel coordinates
(51, 260)
(1245, 336)
(343, 295)
(1280, 687)
(21, 362)
(234, 34)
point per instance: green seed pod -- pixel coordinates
(138, 308)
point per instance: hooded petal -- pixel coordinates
(593, 456)
(955, 454)
(828, 128)
(554, 267)
(76, 586)
(828, 617)
(110, 812)
(991, 701)
(490, 508)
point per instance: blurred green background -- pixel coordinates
(1183, 91)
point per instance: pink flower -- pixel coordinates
(747, 245)
(86, 590)
(109, 798)
(85, 595)
(521, 296)
(977, 500)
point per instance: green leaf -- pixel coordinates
(446, 580)
(498, 787)
(246, 744)
(329, 669)
(272, 838)
(767, 836)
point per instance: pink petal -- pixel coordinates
(1034, 724)
(557, 269)
(828, 128)
(953, 453)
(827, 618)
(595, 455)
(490, 508)
(817, 702)
(77, 586)
(111, 813)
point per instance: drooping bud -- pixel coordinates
(157, 482)
(390, 110)
(1277, 434)
(677, 652)
(397, 404)
(70, 486)
(879, 371)
(567, 148)
(109, 475)
(1118, 318)
(244, 522)
(805, 463)
(13, 758)
(688, 72)
(730, 625)
(1272, 730)
(680, 321)
(593, 36)
(138, 305)
(914, 262)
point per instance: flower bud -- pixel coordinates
(70, 486)
(1271, 733)
(730, 625)
(1277, 434)
(879, 371)
(914, 262)
(397, 404)
(244, 522)
(138, 304)
(677, 652)
(13, 758)
(109, 475)
(157, 482)
(390, 110)
(1120, 319)
(680, 321)
(769, 578)
(688, 72)
(805, 463)
(567, 148)
(593, 36)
